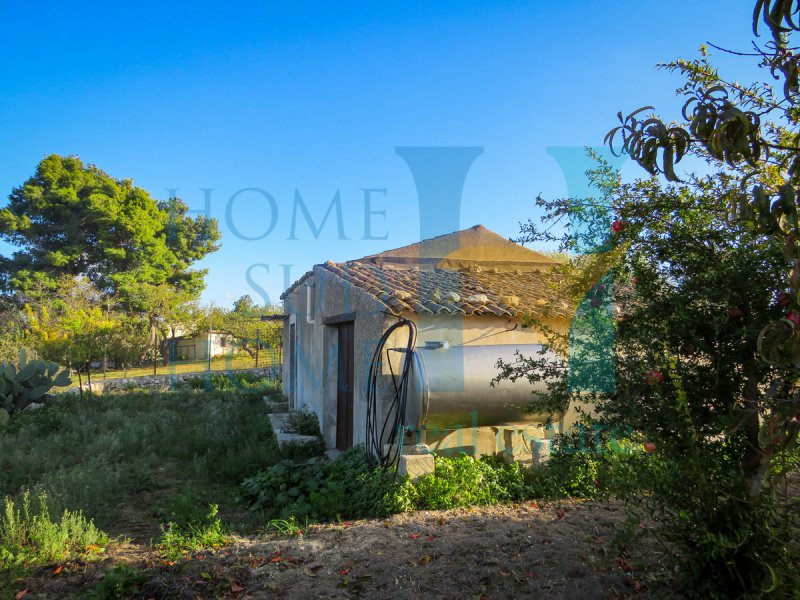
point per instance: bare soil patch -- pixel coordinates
(558, 550)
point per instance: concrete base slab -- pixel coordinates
(416, 465)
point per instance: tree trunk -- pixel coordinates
(164, 348)
(755, 462)
(152, 342)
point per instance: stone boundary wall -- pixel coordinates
(164, 381)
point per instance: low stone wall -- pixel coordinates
(101, 385)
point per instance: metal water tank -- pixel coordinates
(449, 387)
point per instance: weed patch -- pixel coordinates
(287, 527)
(208, 534)
(29, 537)
(89, 454)
(123, 581)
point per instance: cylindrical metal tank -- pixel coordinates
(449, 388)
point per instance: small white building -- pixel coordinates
(199, 345)
(469, 294)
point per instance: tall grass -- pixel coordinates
(90, 454)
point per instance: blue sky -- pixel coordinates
(313, 98)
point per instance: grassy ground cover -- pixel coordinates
(140, 464)
(184, 491)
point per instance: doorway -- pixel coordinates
(292, 365)
(344, 387)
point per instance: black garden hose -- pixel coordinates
(393, 423)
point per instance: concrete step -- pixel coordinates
(276, 406)
(278, 422)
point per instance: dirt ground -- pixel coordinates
(564, 550)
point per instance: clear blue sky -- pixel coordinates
(314, 98)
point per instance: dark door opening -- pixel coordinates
(293, 365)
(344, 387)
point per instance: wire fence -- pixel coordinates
(265, 357)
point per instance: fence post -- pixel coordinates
(258, 345)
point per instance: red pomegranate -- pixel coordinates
(653, 377)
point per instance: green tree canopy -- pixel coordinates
(73, 219)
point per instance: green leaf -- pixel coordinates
(27, 371)
(37, 392)
(62, 379)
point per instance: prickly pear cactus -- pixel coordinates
(27, 382)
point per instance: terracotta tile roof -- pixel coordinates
(470, 272)
(467, 292)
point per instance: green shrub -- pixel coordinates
(322, 491)
(464, 481)
(29, 537)
(353, 489)
(301, 452)
(581, 466)
(284, 489)
(349, 488)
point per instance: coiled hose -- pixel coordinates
(393, 422)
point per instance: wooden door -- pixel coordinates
(344, 388)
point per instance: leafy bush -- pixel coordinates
(320, 490)
(284, 489)
(300, 452)
(29, 537)
(698, 364)
(585, 464)
(349, 488)
(354, 489)
(464, 481)
(208, 534)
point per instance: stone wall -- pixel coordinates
(101, 385)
